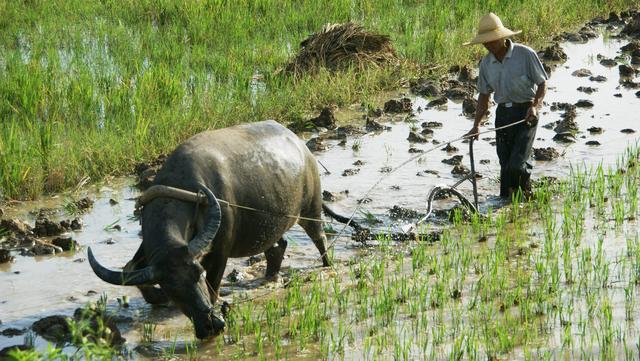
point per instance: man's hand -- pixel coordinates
(532, 116)
(473, 133)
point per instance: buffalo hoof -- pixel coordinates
(274, 256)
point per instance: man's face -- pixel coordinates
(495, 46)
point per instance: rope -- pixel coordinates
(332, 244)
(441, 145)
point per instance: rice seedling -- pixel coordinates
(148, 332)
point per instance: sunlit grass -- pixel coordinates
(91, 87)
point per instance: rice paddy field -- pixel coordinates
(91, 88)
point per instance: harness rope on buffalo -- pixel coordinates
(200, 198)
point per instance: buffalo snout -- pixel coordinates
(209, 326)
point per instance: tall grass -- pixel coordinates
(89, 87)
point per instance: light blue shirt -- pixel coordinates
(515, 79)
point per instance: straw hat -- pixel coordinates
(490, 28)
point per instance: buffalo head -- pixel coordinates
(179, 274)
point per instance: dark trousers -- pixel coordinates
(513, 146)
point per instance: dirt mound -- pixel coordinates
(632, 29)
(340, 46)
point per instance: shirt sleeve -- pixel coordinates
(535, 69)
(483, 83)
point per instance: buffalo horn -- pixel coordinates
(122, 278)
(202, 241)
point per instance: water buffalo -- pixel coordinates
(261, 165)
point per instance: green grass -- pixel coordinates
(90, 87)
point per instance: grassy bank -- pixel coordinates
(90, 87)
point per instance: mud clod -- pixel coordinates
(608, 62)
(53, 328)
(455, 160)
(12, 332)
(146, 172)
(598, 78)
(582, 73)
(316, 145)
(16, 227)
(467, 75)
(554, 53)
(374, 126)
(595, 130)
(403, 105)
(42, 249)
(545, 154)
(584, 103)
(632, 29)
(426, 131)
(83, 204)
(5, 256)
(426, 172)
(328, 196)
(631, 47)
(627, 131)
(426, 88)
(431, 125)
(450, 148)
(460, 169)
(457, 93)
(592, 143)
(326, 119)
(66, 243)
(45, 228)
(397, 212)
(350, 172)
(437, 102)
(469, 106)
(626, 70)
(416, 138)
(564, 138)
(255, 259)
(587, 89)
(629, 84)
(235, 276)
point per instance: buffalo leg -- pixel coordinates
(274, 256)
(214, 263)
(316, 233)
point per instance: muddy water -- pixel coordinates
(32, 288)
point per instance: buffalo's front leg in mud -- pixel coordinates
(274, 256)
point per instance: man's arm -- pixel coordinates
(532, 112)
(481, 110)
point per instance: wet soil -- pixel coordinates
(34, 286)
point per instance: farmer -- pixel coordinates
(514, 73)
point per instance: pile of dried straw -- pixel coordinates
(340, 46)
